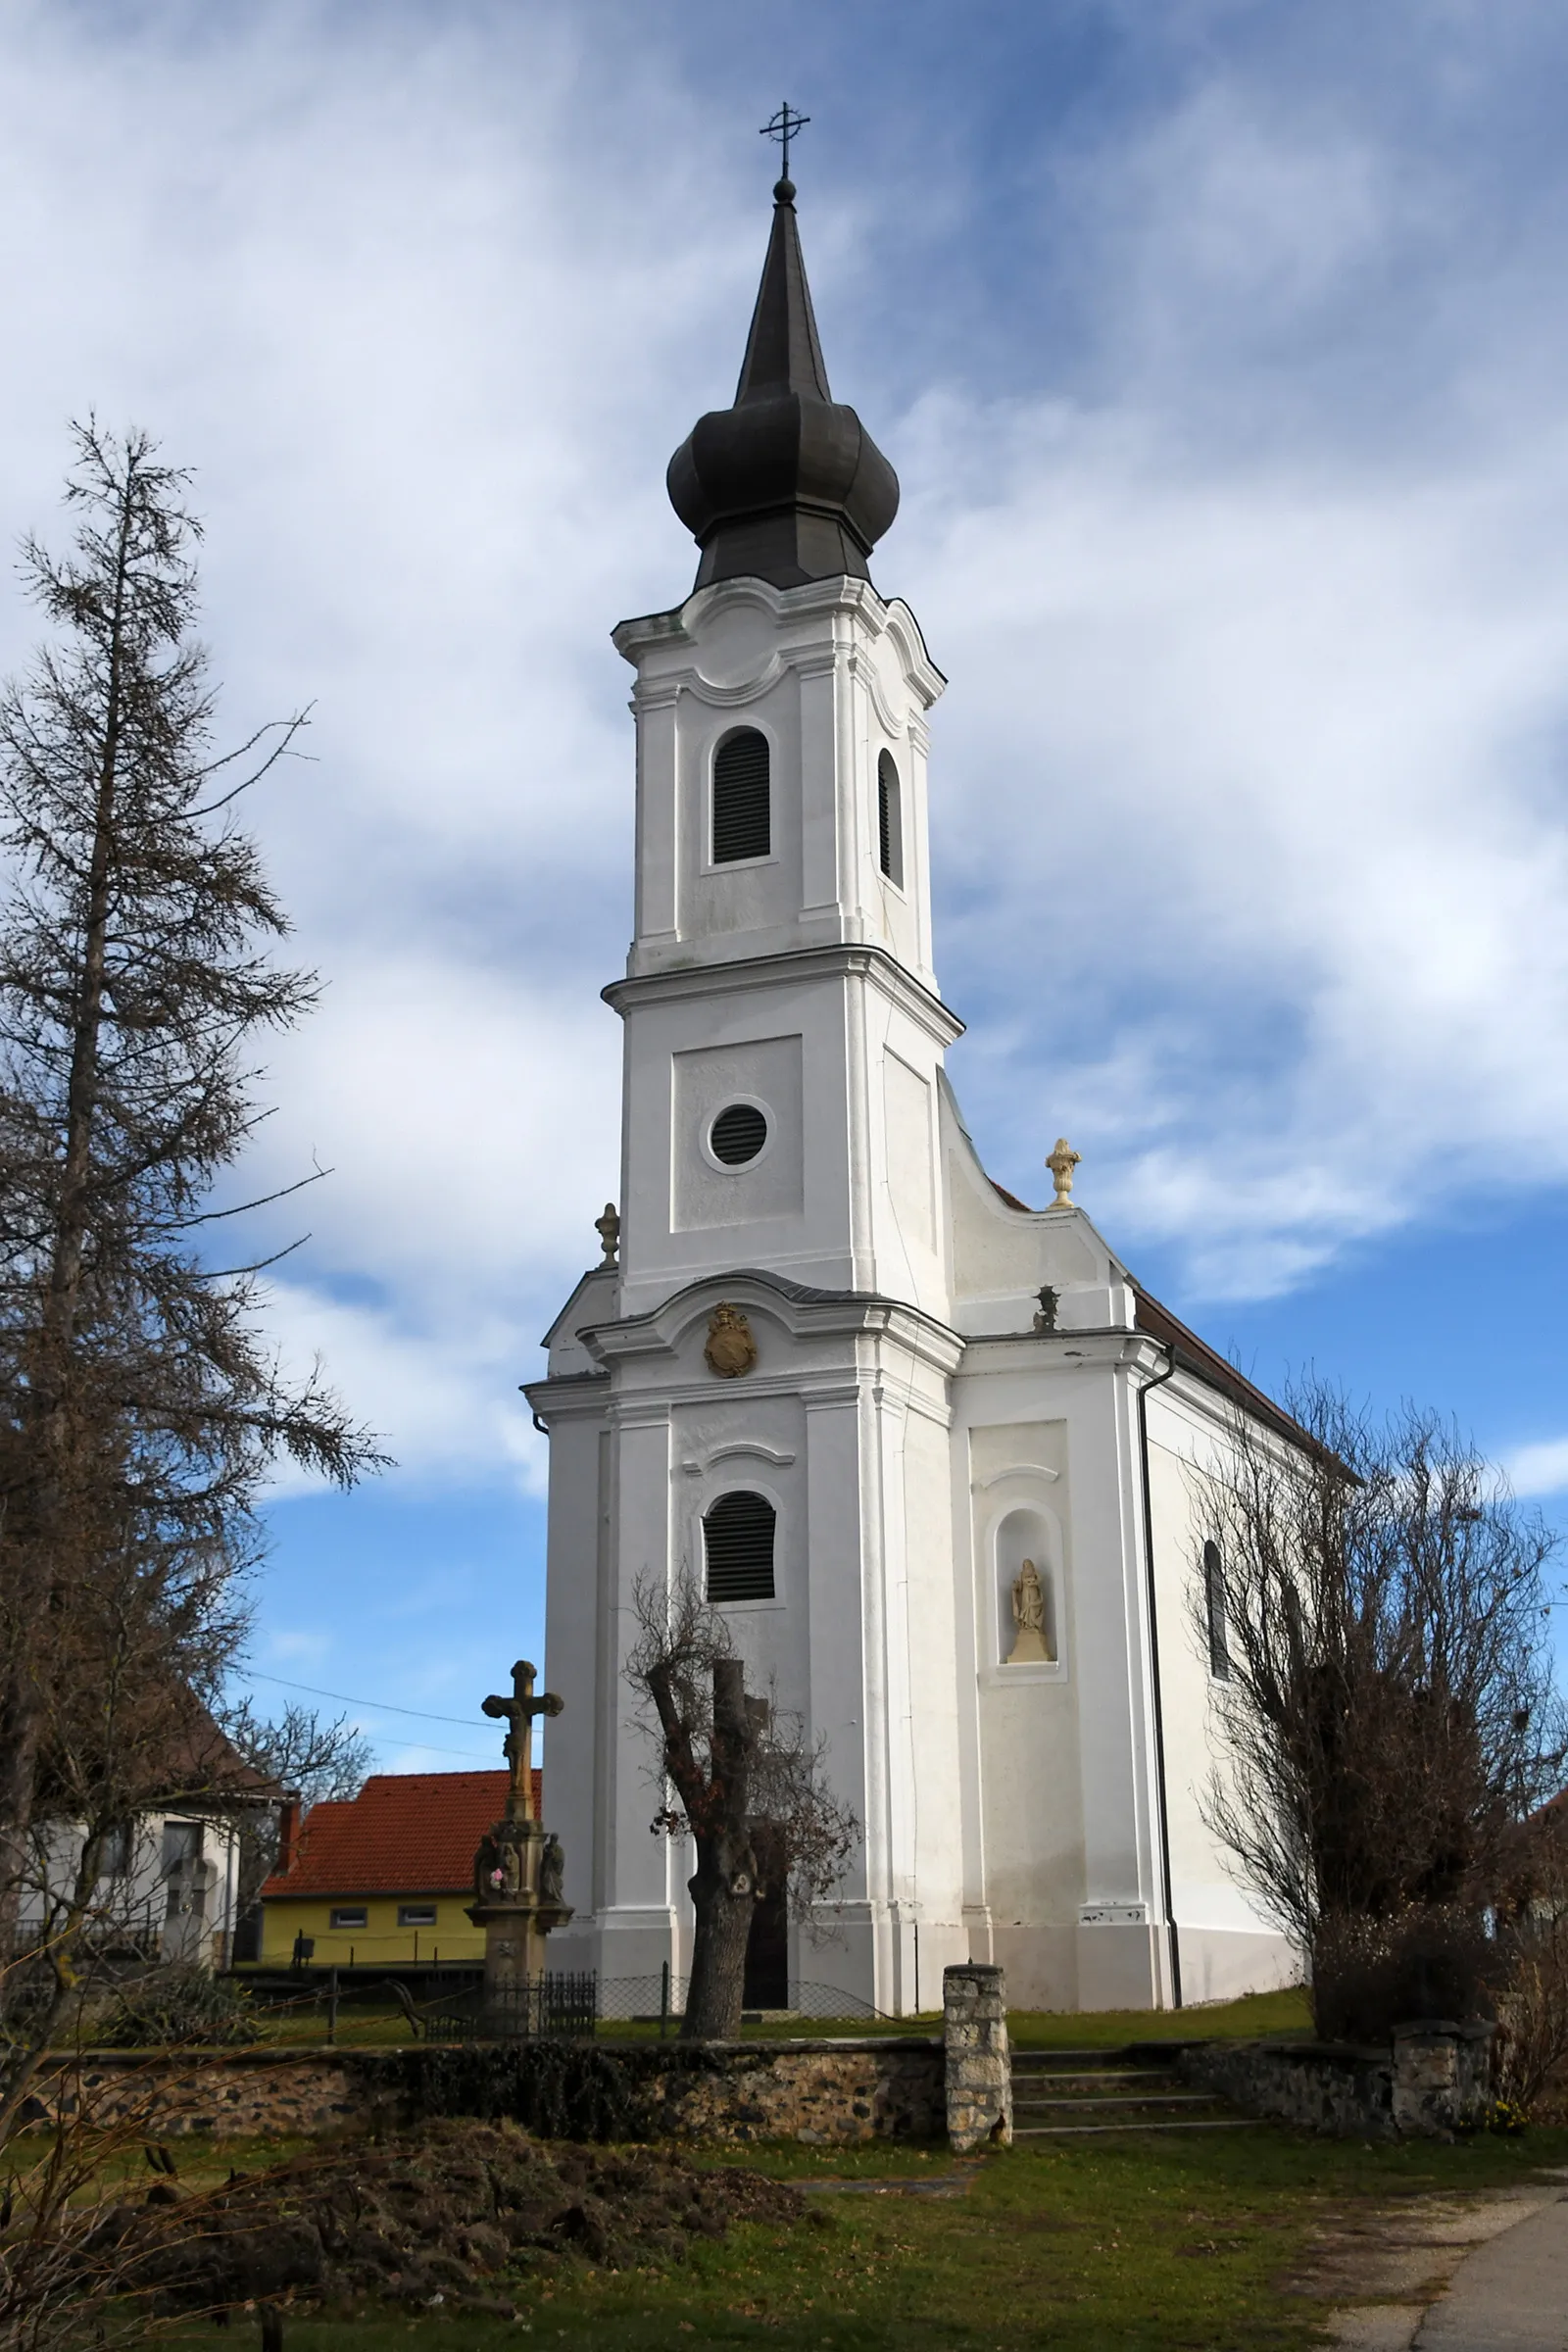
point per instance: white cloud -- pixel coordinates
(1254, 602)
(1541, 1469)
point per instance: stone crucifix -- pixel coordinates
(518, 1712)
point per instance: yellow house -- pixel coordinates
(385, 1878)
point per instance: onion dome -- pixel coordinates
(787, 485)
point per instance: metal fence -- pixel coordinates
(661, 2001)
(564, 2007)
(559, 2007)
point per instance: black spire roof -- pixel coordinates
(787, 485)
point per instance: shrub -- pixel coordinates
(1370, 1975)
(1533, 2007)
(176, 2004)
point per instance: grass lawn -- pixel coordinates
(1259, 2013)
(1157, 2242)
(362, 2027)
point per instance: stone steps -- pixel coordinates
(1061, 2094)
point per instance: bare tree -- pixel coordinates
(1371, 1607)
(744, 1776)
(301, 1752)
(1531, 1980)
(140, 1407)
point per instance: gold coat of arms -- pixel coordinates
(731, 1350)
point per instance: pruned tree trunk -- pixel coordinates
(744, 1776)
(726, 1901)
(723, 1886)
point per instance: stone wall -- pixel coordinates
(814, 2091)
(1434, 2081)
(226, 2094)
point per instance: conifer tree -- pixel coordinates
(140, 1408)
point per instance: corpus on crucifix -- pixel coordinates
(518, 1712)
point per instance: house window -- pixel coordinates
(889, 819)
(742, 820)
(182, 1843)
(113, 1855)
(738, 1540)
(1219, 1653)
(415, 1915)
(349, 1915)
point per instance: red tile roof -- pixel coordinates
(406, 1833)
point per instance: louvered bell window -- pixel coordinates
(889, 821)
(742, 820)
(738, 1540)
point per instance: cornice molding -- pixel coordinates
(841, 957)
(804, 1313)
(656, 632)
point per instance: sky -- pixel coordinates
(1220, 348)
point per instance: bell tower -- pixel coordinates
(757, 1394)
(783, 1028)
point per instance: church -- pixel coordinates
(937, 1456)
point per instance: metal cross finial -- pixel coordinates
(784, 126)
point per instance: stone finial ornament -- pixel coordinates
(1029, 1647)
(732, 1348)
(1062, 1164)
(607, 1228)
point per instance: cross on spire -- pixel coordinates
(785, 125)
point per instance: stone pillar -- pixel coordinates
(979, 2069)
(1441, 2077)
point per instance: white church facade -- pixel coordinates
(833, 1372)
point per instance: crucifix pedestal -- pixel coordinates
(518, 1869)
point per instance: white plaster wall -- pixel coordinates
(1228, 1944)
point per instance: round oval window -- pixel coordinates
(738, 1134)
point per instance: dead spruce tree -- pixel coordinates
(744, 1778)
(140, 1407)
(1372, 1614)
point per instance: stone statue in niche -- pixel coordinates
(1029, 1620)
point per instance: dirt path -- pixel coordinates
(1429, 2272)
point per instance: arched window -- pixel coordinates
(738, 1540)
(889, 819)
(1219, 1651)
(742, 823)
